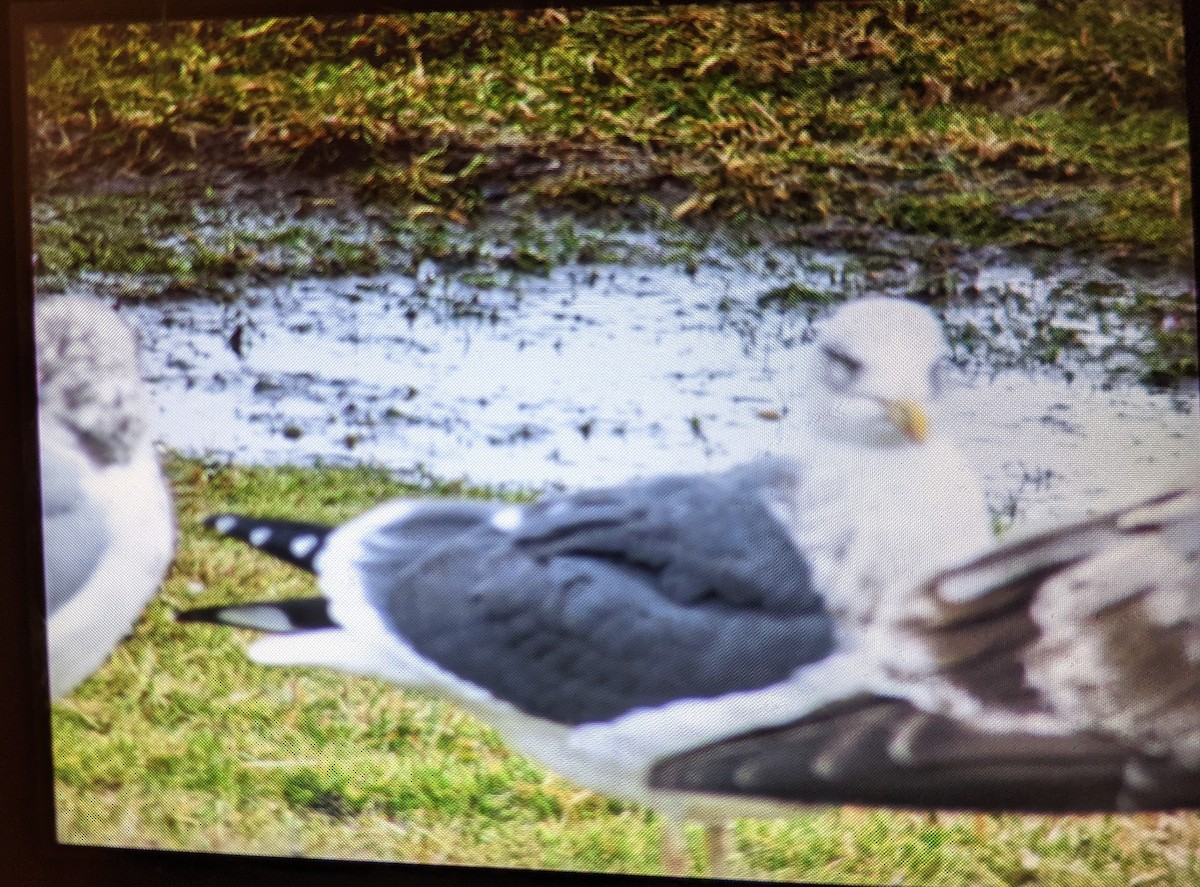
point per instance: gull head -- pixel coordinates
(872, 372)
(88, 381)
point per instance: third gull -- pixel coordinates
(107, 522)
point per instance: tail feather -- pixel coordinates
(272, 617)
(293, 542)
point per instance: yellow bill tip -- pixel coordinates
(910, 417)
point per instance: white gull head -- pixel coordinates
(870, 376)
(884, 501)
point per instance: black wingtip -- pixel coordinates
(210, 522)
(271, 617)
(200, 614)
(295, 542)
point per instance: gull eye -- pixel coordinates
(840, 368)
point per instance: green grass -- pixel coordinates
(936, 117)
(180, 742)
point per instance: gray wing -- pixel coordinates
(1094, 625)
(705, 539)
(585, 607)
(75, 529)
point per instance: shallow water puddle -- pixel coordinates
(594, 374)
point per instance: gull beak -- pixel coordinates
(909, 416)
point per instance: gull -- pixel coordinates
(107, 525)
(604, 630)
(1079, 651)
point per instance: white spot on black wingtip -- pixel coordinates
(1137, 778)
(260, 617)
(747, 776)
(259, 536)
(302, 546)
(225, 523)
(825, 766)
(508, 519)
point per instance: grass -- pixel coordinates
(1050, 124)
(182, 159)
(180, 742)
